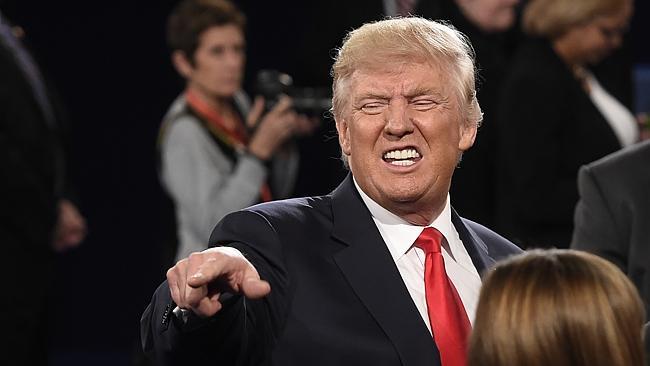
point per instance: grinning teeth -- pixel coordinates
(402, 162)
(402, 154)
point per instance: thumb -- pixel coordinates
(255, 112)
(254, 288)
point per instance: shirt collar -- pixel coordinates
(400, 235)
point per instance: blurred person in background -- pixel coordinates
(557, 307)
(218, 153)
(555, 116)
(36, 218)
(612, 218)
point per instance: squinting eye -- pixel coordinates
(423, 105)
(373, 108)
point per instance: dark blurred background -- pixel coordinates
(110, 64)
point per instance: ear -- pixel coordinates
(467, 135)
(182, 65)
(344, 135)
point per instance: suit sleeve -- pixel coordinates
(27, 203)
(243, 332)
(595, 222)
(170, 341)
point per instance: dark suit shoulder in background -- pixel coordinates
(612, 216)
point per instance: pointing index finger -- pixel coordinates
(226, 263)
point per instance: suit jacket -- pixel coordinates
(548, 128)
(30, 171)
(612, 218)
(29, 150)
(337, 297)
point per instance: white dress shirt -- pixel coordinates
(400, 236)
(616, 114)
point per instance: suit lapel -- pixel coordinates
(371, 272)
(476, 248)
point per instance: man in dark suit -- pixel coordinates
(612, 218)
(35, 218)
(382, 271)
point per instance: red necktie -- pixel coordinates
(449, 323)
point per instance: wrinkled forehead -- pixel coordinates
(400, 76)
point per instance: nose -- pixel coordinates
(398, 121)
(234, 59)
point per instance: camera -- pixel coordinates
(272, 84)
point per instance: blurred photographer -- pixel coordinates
(219, 154)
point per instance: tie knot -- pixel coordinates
(429, 240)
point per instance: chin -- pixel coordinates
(594, 60)
(402, 196)
(228, 93)
(503, 23)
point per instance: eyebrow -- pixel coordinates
(411, 94)
(423, 91)
(372, 95)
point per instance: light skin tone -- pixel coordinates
(215, 74)
(217, 69)
(70, 229)
(404, 107)
(190, 278)
(393, 114)
(590, 42)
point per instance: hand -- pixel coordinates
(197, 282)
(274, 128)
(70, 229)
(305, 126)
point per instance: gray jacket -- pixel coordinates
(612, 218)
(204, 183)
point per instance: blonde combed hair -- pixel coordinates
(552, 18)
(560, 308)
(409, 39)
